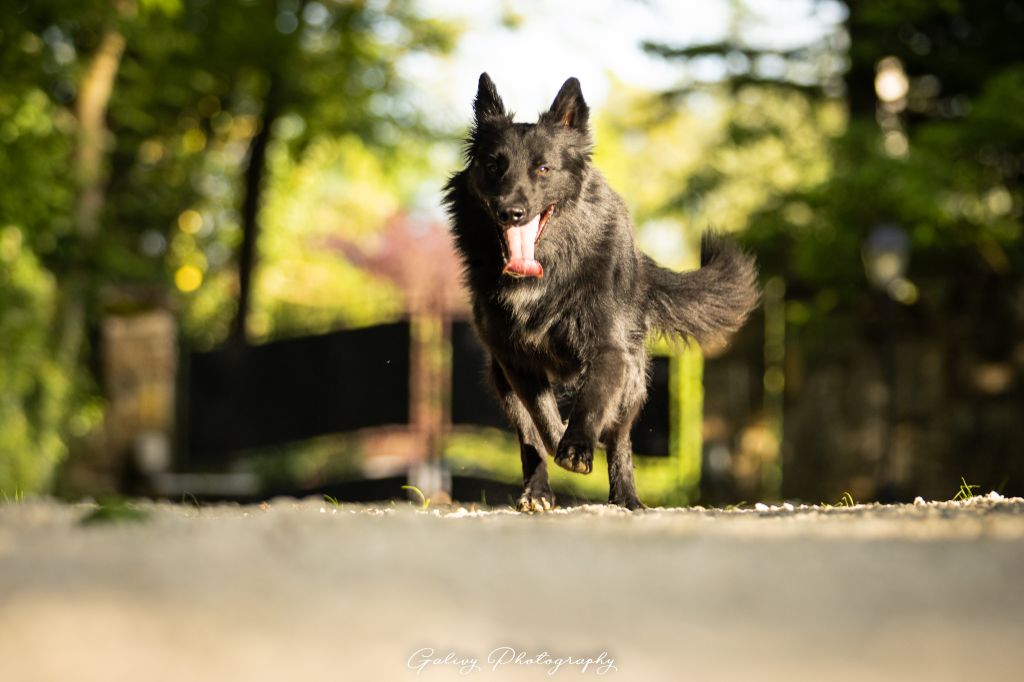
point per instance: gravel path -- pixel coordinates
(306, 590)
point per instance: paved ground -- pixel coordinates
(294, 591)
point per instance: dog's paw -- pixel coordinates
(575, 456)
(532, 501)
(630, 502)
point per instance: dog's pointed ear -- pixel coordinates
(569, 109)
(488, 104)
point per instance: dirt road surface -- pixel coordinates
(312, 591)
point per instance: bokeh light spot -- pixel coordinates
(190, 221)
(188, 278)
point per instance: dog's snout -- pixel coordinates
(511, 214)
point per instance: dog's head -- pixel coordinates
(524, 174)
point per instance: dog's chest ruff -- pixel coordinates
(531, 324)
(522, 299)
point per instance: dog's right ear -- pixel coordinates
(488, 104)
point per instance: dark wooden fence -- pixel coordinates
(237, 399)
(240, 398)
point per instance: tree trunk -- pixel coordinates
(90, 154)
(860, 77)
(254, 172)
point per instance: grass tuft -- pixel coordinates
(846, 501)
(966, 491)
(424, 500)
(19, 496)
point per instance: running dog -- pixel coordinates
(562, 297)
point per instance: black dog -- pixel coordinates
(562, 298)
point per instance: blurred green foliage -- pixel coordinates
(718, 162)
(30, 442)
(192, 90)
(943, 161)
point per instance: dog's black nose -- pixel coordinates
(512, 214)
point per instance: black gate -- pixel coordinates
(235, 399)
(473, 404)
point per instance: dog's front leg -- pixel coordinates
(595, 407)
(533, 411)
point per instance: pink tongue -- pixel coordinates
(520, 241)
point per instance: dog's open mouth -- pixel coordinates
(520, 241)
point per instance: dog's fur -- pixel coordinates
(579, 329)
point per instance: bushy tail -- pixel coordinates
(707, 304)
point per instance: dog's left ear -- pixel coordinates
(569, 109)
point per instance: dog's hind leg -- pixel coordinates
(621, 485)
(537, 495)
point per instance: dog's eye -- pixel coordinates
(543, 169)
(491, 166)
